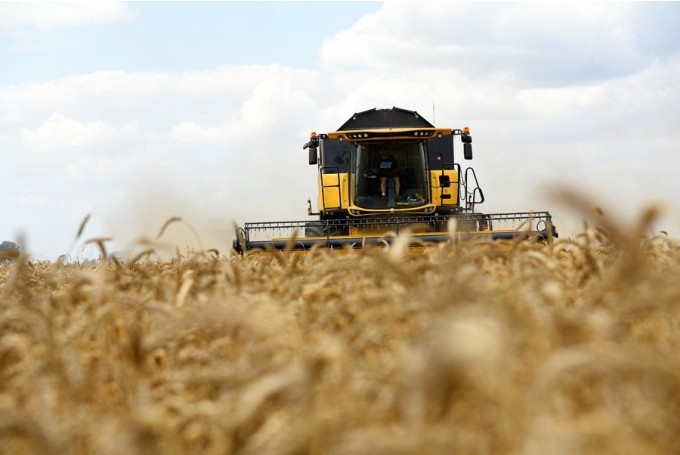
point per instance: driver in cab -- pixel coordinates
(385, 167)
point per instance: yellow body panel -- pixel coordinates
(333, 192)
(452, 190)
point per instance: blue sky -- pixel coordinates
(134, 112)
(177, 37)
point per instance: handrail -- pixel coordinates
(471, 201)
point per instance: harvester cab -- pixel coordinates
(425, 181)
(386, 171)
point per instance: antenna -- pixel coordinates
(434, 121)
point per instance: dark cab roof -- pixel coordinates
(385, 118)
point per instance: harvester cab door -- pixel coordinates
(333, 169)
(444, 172)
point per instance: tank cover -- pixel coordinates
(385, 118)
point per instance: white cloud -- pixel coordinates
(61, 132)
(528, 43)
(86, 167)
(242, 96)
(16, 17)
(34, 201)
(226, 142)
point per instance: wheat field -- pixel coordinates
(569, 347)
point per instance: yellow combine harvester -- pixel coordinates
(387, 172)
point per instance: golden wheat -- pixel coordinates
(471, 347)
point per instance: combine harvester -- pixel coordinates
(429, 192)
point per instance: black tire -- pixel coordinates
(323, 230)
(484, 222)
(315, 230)
(466, 224)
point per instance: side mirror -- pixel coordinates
(312, 155)
(444, 181)
(467, 151)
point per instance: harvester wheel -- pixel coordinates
(484, 222)
(466, 224)
(323, 230)
(239, 245)
(315, 230)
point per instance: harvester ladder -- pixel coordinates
(475, 195)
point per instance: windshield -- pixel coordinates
(389, 175)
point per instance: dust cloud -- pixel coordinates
(171, 222)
